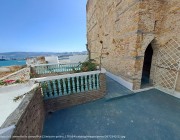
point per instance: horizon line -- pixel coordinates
(42, 52)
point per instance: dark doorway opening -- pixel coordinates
(145, 81)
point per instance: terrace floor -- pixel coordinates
(147, 115)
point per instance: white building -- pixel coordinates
(35, 61)
(78, 58)
(73, 59)
(51, 59)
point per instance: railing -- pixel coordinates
(56, 86)
(52, 68)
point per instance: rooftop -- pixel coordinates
(146, 115)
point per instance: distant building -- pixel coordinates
(35, 61)
(78, 58)
(73, 59)
(51, 59)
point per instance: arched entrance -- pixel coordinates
(145, 80)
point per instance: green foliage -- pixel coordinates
(44, 85)
(32, 75)
(85, 66)
(2, 82)
(88, 66)
(18, 81)
(18, 97)
(76, 71)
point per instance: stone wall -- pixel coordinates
(126, 28)
(4, 71)
(23, 75)
(115, 22)
(159, 22)
(75, 99)
(28, 117)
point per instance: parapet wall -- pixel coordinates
(76, 99)
(23, 75)
(31, 121)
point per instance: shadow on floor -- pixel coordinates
(115, 90)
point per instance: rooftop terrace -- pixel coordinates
(120, 114)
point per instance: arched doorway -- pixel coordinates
(145, 80)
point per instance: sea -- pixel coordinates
(12, 62)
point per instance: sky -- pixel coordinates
(42, 25)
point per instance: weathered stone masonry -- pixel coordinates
(126, 28)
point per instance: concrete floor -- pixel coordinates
(148, 115)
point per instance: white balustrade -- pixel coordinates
(56, 86)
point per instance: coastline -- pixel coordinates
(6, 63)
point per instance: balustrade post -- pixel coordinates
(90, 82)
(43, 86)
(97, 80)
(49, 89)
(82, 84)
(86, 86)
(54, 88)
(64, 87)
(94, 85)
(77, 81)
(73, 84)
(69, 86)
(59, 87)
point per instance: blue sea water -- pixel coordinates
(12, 62)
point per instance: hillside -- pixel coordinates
(24, 55)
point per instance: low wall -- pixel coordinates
(62, 102)
(11, 68)
(8, 93)
(28, 118)
(22, 74)
(31, 122)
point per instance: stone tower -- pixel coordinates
(142, 38)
